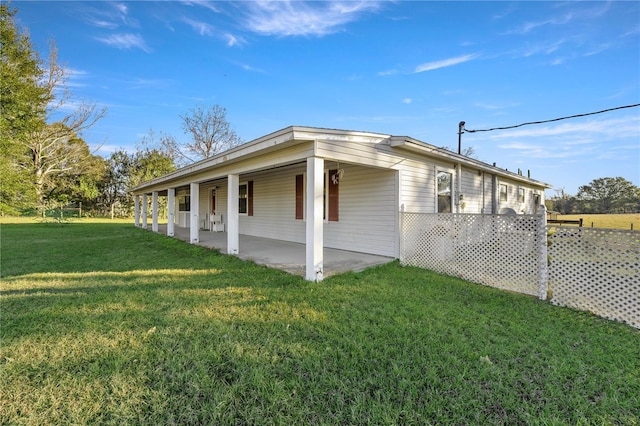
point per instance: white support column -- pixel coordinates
(136, 210)
(145, 210)
(315, 237)
(171, 207)
(195, 212)
(154, 211)
(233, 218)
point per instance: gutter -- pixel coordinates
(411, 144)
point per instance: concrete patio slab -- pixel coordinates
(283, 255)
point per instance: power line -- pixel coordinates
(463, 130)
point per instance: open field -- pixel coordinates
(106, 323)
(609, 221)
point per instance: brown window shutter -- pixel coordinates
(299, 196)
(250, 198)
(333, 197)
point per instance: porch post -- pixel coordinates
(194, 231)
(145, 212)
(154, 211)
(136, 210)
(314, 232)
(233, 225)
(171, 207)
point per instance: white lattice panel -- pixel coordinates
(496, 250)
(596, 270)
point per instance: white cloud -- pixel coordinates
(201, 28)
(121, 7)
(203, 3)
(75, 77)
(430, 66)
(530, 26)
(233, 40)
(388, 72)
(407, 100)
(111, 17)
(302, 18)
(605, 129)
(570, 139)
(125, 41)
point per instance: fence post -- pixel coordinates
(543, 265)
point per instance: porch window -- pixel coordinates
(184, 203)
(245, 198)
(503, 192)
(521, 195)
(444, 183)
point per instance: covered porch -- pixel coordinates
(283, 255)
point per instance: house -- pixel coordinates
(330, 188)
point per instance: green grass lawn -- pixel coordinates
(109, 324)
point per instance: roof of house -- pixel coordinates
(298, 134)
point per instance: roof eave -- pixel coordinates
(425, 148)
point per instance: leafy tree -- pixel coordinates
(81, 182)
(56, 149)
(114, 186)
(210, 134)
(23, 102)
(606, 195)
(563, 202)
(126, 170)
(40, 140)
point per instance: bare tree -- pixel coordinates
(57, 147)
(210, 132)
(468, 151)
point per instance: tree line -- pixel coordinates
(44, 161)
(603, 195)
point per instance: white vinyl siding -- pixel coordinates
(368, 206)
(367, 212)
(274, 206)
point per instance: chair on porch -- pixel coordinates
(216, 224)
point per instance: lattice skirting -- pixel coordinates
(499, 251)
(596, 270)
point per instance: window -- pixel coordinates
(245, 198)
(503, 192)
(184, 203)
(444, 183)
(521, 195)
(330, 197)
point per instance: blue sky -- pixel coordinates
(404, 68)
